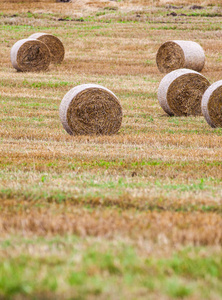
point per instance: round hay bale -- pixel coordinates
(30, 56)
(90, 109)
(174, 55)
(180, 92)
(54, 44)
(211, 104)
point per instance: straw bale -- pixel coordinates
(180, 92)
(174, 55)
(54, 44)
(90, 109)
(211, 104)
(30, 55)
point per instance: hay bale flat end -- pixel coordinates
(180, 92)
(30, 55)
(211, 105)
(178, 54)
(90, 109)
(56, 48)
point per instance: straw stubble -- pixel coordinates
(90, 109)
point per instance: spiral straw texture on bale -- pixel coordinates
(54, 44)
(90, 109)
(174, 55)
(180, 92)
(211, 105)
(30, 56)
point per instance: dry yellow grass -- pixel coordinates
(167, 227)
(157, 184)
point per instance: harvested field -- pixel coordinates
(124, 216)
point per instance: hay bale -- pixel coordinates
(211, 104)
(174, 55)
(90, 109)
(180, 92)
(30, 56)
(54, 44)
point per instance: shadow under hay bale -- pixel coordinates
(90, 109)
(180, 92)
(54, 44)
(211, 105)
(174, 55)
(30, 56)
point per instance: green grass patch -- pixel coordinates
(86, 268)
